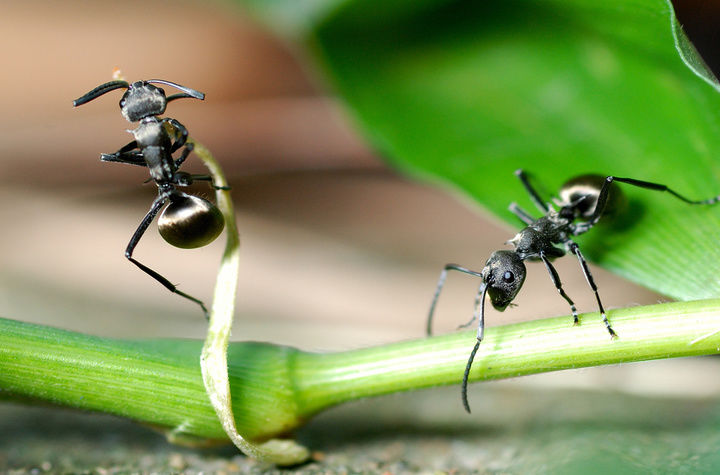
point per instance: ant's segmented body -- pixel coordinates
(583, 201)
(188, 221)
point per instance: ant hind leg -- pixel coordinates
(154, 209)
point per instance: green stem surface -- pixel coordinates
(275, 388)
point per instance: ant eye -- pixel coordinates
(508, 277)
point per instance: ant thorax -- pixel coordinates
(542, 236)
(155, 144)
(150, 133)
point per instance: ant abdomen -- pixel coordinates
(189, 221)
(581, 194)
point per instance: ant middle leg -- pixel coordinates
(154, 209)
(555, 277)
(575, 249)
(523, 215)
(129, 154)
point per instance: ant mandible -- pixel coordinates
(188, 221)
(585, 199)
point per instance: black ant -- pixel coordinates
(586, 198)
(188, 221)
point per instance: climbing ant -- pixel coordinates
(586, 198)
(188, 221)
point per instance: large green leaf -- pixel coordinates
(464, 92)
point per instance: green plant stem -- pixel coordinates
(276, 389)
(213, 360)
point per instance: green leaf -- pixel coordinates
(463, 93)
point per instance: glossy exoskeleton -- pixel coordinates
(582, 202)
(187, 221)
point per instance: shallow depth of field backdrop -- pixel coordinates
(338, 251)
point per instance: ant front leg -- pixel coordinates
(591, 282)
(181, 130)
(441, 282)
(154, 209)
(184, 155)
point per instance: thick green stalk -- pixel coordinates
(213, 359)
(276, 389)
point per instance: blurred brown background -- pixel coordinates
(338, 250)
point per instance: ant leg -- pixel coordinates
(134, 157)
(658, 187)
(534, 195)
(127, 147)
(154, 209)
(188, 148)
(521, 213)
(180, 141)
(126, 154)
(210, 179)
(558, 285)
(603, 197)
(575, 249)
(441, 282)
(475, 307)
(187, 179)
(481, 329)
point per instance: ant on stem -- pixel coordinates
(187, 221)
(582, 202)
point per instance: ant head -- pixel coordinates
(580, 196)
(142, 100)
(504, 274)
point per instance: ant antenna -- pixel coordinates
(190, 92)
(481, 329)
(99, 91)
(180, 95)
